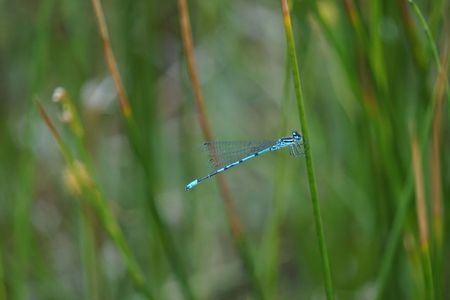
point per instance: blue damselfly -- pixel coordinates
(225, 155)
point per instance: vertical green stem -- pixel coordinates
(424, 24)
(404, 205)
(89, 255)
(308, 154)
(136, 139)
(239, 237)
(394, 237)
(430, 40)
(90, 192)
(249, 266)
(2, 276)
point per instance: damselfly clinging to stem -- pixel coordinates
(225, 155)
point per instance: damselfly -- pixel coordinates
(225, 155)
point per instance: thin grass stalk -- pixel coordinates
(308, 153)
(21, 230)
(134, 138)
(376, 55)
(393, 243)
(435, 172)
(2, 275)
(88, 190)
(234, 222)
(111, 61)
(78, 131)
(84, 187)
(411, 34)
(63, 148)
(422, 219)
(367, 91)
(186, 35)
(112, 227)
(330, 35)
(403, 207)
(71, 118)
(437, 13)
(170, 248)
(91, 265)
(369, 53)
(26, 251)
(247, 259)
(405, 201)
(373, 89)
(332, 39)
(23, 241)
(430, 41)
(355, 21)
(440, 87)
(89, 254)
(427, 31)
(369, 60)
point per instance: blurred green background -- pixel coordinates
(370, 84)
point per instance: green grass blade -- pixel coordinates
(309, 160)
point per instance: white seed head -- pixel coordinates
(66, 116)
(58, 94)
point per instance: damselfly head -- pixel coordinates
(296, 136)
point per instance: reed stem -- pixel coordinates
(308, 153)
(234, 223)
(135, 136)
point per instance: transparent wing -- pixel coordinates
(224, 153)
(297, 150)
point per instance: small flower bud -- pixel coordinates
(58, 94)
(76, 178)
(66, 116)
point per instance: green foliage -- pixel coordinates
(105, 215)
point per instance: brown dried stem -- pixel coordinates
(420, 192)
(134, 137)
(422, 215)
(435, 154)
(186, 34)
(110, 59)
(230, 208)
